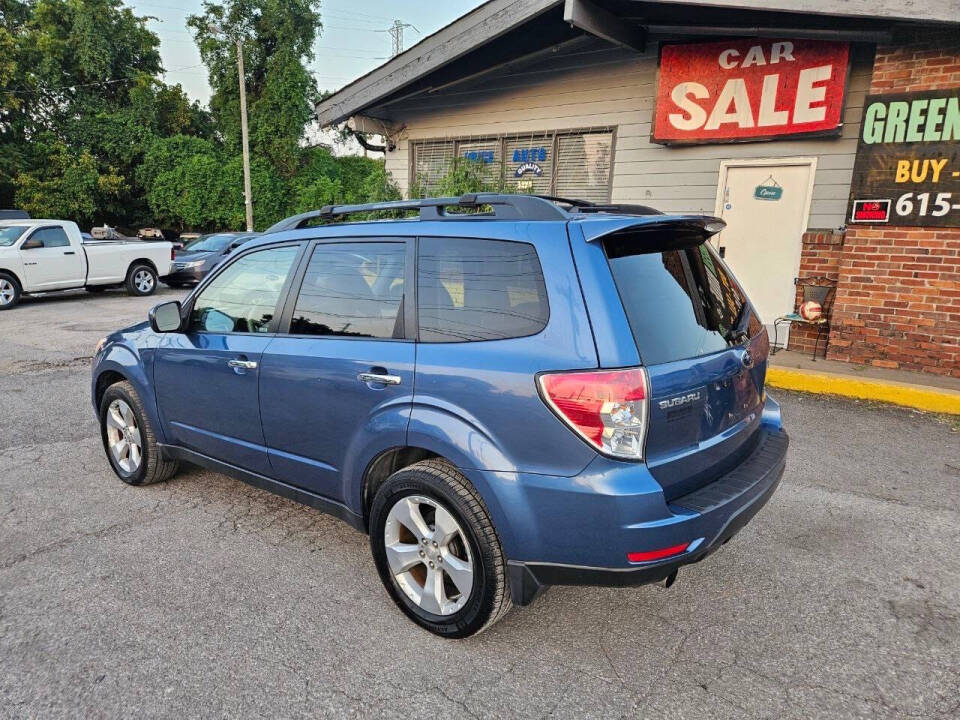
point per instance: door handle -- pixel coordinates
(369, 377)
(243, 364)
(69, 252)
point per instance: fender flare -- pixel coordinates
(126, 362)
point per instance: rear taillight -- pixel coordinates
(173, 254)
(607, 408)
(660, 554)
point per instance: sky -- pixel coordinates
(353, 40)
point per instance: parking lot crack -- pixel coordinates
(109, 530)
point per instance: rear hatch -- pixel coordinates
(704, 348)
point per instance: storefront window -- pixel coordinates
(574, 164)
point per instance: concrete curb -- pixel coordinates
(920, 397)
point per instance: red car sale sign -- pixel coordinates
(741, 90)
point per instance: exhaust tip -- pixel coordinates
(671, 579)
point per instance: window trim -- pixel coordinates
(502, 138)
(407, 302)
(546, 290)
(187, 307)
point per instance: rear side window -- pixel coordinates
(352, 290)
(679, 303)
(479, 290)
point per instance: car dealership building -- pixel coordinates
(826, 134)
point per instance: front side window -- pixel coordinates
(479, 290)
(243, 298)
(352, 290)
(51, 237)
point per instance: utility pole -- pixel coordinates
(396, 34)
(245, 140)
(247, 191)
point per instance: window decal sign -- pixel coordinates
(908, 157)
(746, 90)
(484, 156)
(528, 167)
(534, 154)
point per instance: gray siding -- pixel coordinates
(588, 85)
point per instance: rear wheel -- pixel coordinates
(437, 552)
(129, 439)
(9, 291)
(141, 280)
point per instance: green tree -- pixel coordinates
(69, 185)
(189, 183)
(278, 38)
(83, 74)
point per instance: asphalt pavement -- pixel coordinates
(204, 597)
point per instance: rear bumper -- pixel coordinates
(706, 518)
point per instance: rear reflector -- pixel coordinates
(649, 555)
(607, 408)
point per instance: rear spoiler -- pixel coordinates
(599, 228)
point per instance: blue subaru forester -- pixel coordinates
(505, 391)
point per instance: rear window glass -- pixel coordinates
(479, 290)
(679, 303)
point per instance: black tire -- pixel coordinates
(141, 280)
(151, 468)
(8, 285)
(96, 289)
(489, 598)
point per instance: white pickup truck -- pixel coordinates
(44, 255)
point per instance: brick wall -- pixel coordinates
(820, 258)
(898, 296)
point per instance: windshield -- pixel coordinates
(679, 303)
(10, 234)
(209, 243)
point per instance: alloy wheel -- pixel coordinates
(7, 292)
(143, 281)
(123, 436)
(428, 555)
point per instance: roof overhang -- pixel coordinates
(473, 30)
(501, 31)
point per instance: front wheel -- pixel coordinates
(129, 439)
(437, 552)
(9, 291)
(141, 280)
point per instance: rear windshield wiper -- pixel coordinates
(737, 333)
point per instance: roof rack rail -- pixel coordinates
(617, 208)
(585, 206)
(505, 207)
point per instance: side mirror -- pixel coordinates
(165, 317)
(32, 244)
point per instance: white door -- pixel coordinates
(56, 264)
(766, 204)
